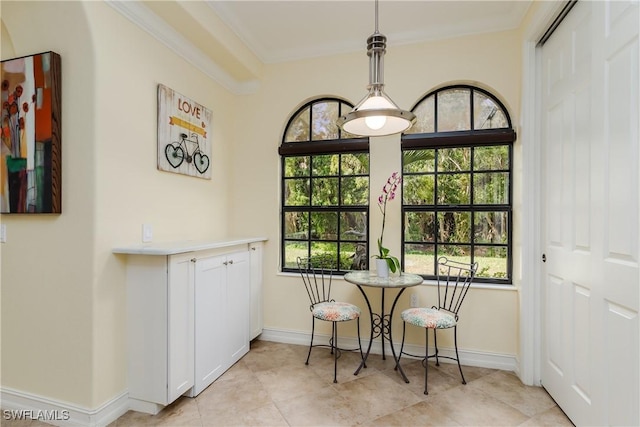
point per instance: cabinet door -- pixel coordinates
(147, 335)
(180, 325)
(210, 297)
(255, 255)
(238, 301)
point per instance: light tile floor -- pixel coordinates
(271, 386)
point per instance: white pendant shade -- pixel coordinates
(376, 115)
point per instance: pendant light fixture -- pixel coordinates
(376, 114)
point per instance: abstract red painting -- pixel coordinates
(30, 144)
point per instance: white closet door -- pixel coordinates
(591, 193)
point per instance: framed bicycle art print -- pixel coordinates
(184, 140)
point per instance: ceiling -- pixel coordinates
(232, 40)
(329, 27)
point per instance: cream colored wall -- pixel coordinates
(64, 334)
(130, 189)
(491, 61)
(47, 261)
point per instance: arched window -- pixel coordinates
(457, 183)
(325, 189)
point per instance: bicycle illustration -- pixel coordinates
(178, 151)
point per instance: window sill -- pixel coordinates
(492, 286)
(475, 285)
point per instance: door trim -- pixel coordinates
(529, 366)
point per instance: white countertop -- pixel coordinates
(172, 248)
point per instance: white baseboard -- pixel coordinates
(17, 404)
(505, 362)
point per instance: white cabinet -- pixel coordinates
(238, 307)
(189, 316)
(160, 310)
(210, 302)
(222, 315)
(255, 253)
(180, 335)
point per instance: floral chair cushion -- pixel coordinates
(335, 311)
(428, 318)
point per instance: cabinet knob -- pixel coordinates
(193, 259)
(231, 262)
(253, 248)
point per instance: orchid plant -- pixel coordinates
(388, 194)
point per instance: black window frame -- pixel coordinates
(463, 139)
(344, 144)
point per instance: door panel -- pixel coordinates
(591, 214)
(210, 297)
(180, 326)
(238, 305)
(619, 264)
(622, 371)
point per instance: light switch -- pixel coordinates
(3, 233)
(414, 300)
(147, 233)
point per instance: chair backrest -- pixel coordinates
(317, 280)
(454, 279)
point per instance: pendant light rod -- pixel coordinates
(376, 114)
(376, 14)
(376, 48)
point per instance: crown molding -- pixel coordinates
(161, 31)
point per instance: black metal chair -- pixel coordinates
(454, 279)
(317, 281)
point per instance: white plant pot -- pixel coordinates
(382, 268)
